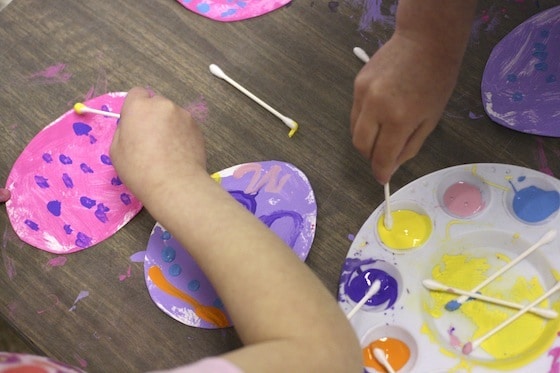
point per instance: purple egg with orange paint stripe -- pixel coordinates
(277, 193)
(65, 197)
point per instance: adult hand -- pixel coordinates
(156, 146)
(399, 96)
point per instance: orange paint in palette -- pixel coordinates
(396, 351)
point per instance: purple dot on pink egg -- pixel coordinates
(47, 157)
(54, 207)
(31, 224)
(65, 159)
(100, 213)
(116, 181)
(92, 140)
(67, 180)
(41, 181)
(87, 202)
(86, 169)
(106, 160)
(81, 129)
(125, 198)
(68, 229)
(82, 240)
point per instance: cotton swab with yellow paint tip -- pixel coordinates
(438, 286)
(80, 108)
(215, 70)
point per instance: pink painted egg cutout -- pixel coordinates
(66, 195)
(521, 81)
(278, 193)
(232, 10)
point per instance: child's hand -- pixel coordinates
(157, 145)
(399, 97)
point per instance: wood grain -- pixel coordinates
(298, 59)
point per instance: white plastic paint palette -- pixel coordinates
(515, 206)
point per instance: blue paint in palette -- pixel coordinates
(533, 204)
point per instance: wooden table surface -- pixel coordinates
(298, 59)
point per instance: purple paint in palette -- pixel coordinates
(66, 195)
(277, 193)
(521, 81)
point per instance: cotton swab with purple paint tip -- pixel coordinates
(455, 304)
(361, 54)
(292, 124)
(373, 289)
(470, 346)
(80, 108)
(382, 359)
(438, 286)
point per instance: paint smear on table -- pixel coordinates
(66, 195)
(520, 82)
(57, 262)
(51, 75)
(83, 294)
(232, 10)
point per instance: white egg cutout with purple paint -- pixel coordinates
(521, 80)
(65, 193)
(278, 193)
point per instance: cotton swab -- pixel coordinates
(388, 220)
(82, 109)
(361, 54)
(470, 346)
(373, 289)
(214, 69)
(455, 304)
(438, 286)
(382, 359)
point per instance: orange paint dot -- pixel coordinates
(396, 351)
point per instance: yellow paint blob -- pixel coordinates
(522, 341)
(396, 352)
(410, 229)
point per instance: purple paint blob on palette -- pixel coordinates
(521, 81)
(66, 195)
(482, 216)
(232, 10)
(277, 193)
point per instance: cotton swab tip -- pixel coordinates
(79, 107)
(379, 354)
(467, 348)
(361, 54)
(292, 124)
(215, 69)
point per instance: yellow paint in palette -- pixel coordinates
(410, 230)
(525, 339)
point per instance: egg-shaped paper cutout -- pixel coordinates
(232, 10)
(521, 80)
(278, 193)
(66, 195)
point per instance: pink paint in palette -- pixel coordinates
(66, 195)
(277, 193)
(232, 10)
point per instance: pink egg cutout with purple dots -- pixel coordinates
(278, 193)
(232, 10)
(521, 81)
(66, 195)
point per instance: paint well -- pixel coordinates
(396, 352)
(410, 230)
(463, 199)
